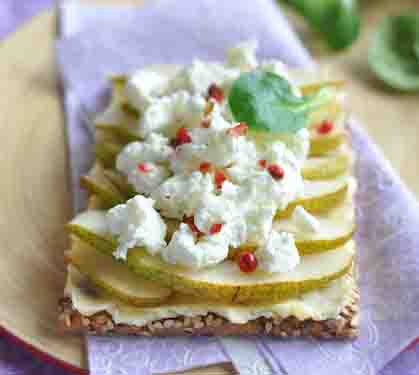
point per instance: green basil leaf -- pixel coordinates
(337, 20)
(394, 52)
(266, 102)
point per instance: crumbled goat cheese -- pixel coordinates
(187, 250)
(136, 223)
(242, 209)
(243, 56)
(145, 182)
(279, 253)
(197, 77)
(181, 194)
(154, 149)
(145, 86)
(304, 220)
(169, 113)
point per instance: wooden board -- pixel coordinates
(36, 201)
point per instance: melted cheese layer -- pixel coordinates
(321, 304)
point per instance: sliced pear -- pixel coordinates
(96, 183)
(226, 281)
(118, 95)
(319, 196)
(106, 153)
(313, 87)
(121, 183)
(117, 113)
(320, 144)
(115, 278)
(336, 227)
(328, 166)
(119, 79)
(120, 119)
(118, 132)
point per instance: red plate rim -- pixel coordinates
(42, 355)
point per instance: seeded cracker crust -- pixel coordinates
(345, 326)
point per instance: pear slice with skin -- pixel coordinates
(328, 166)
(120, 181)
(115, 278)
(314, 87)
(120, 133)
(319, 196)
(225, 281)
(118, 95)
(106, 153)
(321, 144)
(120, 119)
(96, 183)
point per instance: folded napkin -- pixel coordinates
(13, 13)
(97, 41)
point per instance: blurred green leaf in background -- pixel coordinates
(394, 51)
(338, 21)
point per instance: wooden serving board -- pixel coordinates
(36, 201)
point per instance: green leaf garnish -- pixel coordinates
(394, 52)
(266, 102)
(337, 20)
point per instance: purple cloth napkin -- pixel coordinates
(14, 12)
(170, 31)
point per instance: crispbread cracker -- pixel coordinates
(345, 326)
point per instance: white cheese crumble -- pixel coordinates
(304, 220)
(152, 152)
(170, 172)
(181, 194)
(198, 77)
(169, 113)
(147, 180)
(154, 149)
(186, 250)
(136, 223)
(243, 56)
(216, 210)
(145, 86)
(279, 253)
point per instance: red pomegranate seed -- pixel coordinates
(262, 163)
(205, 167)
(182, 137)
(216, 228)
(248, 262)
(220, 177)
(238, 130)
(216, 92)
(190, 221)
(276, 171)
(144, 167)
(325, 127)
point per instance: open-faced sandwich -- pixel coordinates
(221, 203)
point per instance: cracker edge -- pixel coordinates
(345, 326)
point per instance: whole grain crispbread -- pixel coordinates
(345, 326)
